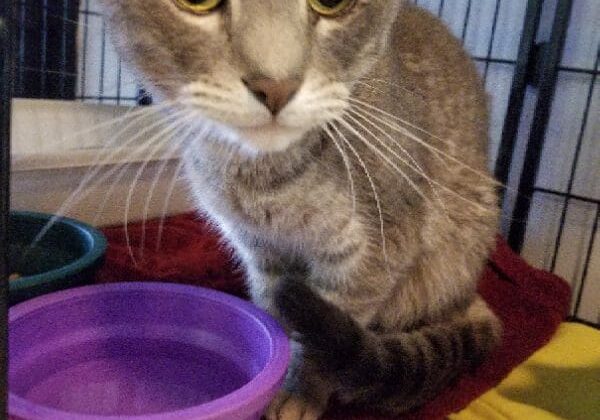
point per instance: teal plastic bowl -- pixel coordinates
(65, 257)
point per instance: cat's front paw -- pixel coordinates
(287, 406)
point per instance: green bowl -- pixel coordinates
(66, 256)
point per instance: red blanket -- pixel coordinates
(530, 302)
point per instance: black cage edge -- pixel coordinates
(521, 78)
(6, 82)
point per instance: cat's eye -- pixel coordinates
(199, 7)
(330, 8)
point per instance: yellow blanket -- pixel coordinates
(560, 381)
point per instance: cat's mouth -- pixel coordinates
(269, 137)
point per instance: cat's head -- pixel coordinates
(267, 71)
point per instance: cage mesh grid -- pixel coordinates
(64, 53)
(45, 55)
(567, 196)
(102, 76)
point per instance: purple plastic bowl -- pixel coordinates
(143, 351)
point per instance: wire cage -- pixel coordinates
(539, 60)
(64, 53)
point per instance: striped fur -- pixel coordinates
(392, 371)
(372, 271)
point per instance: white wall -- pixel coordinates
(51, 161)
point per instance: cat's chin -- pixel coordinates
(268, 138)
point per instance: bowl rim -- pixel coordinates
(238, 401)
(88, 234)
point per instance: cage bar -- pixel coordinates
(588, 260)
(547, 87)
(463, 35)
(491, 43)
(6, 82)
(518, 89)
(575, 164)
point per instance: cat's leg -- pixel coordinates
(305, 393)
(332, 267)
(289, 406)
(390, 371)
(308, 386)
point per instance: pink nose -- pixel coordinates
(274, 94)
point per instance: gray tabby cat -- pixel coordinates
(339, 145)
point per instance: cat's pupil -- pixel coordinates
(331, 3)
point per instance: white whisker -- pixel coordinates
(443, 187)
(166, 203)
(384, 157)
(134, 112)
(173, 127)
(122, 168)
(414, 166)
(346, 164)
(170, 155)
(375, 194)
(418, 94)
(78, 193)
(436, 151)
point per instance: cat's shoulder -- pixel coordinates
(425, 45)
(417, 29)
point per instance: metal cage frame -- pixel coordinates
(6, 80)
(537, 64)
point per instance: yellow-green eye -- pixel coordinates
(199, 7)
(330, 7)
